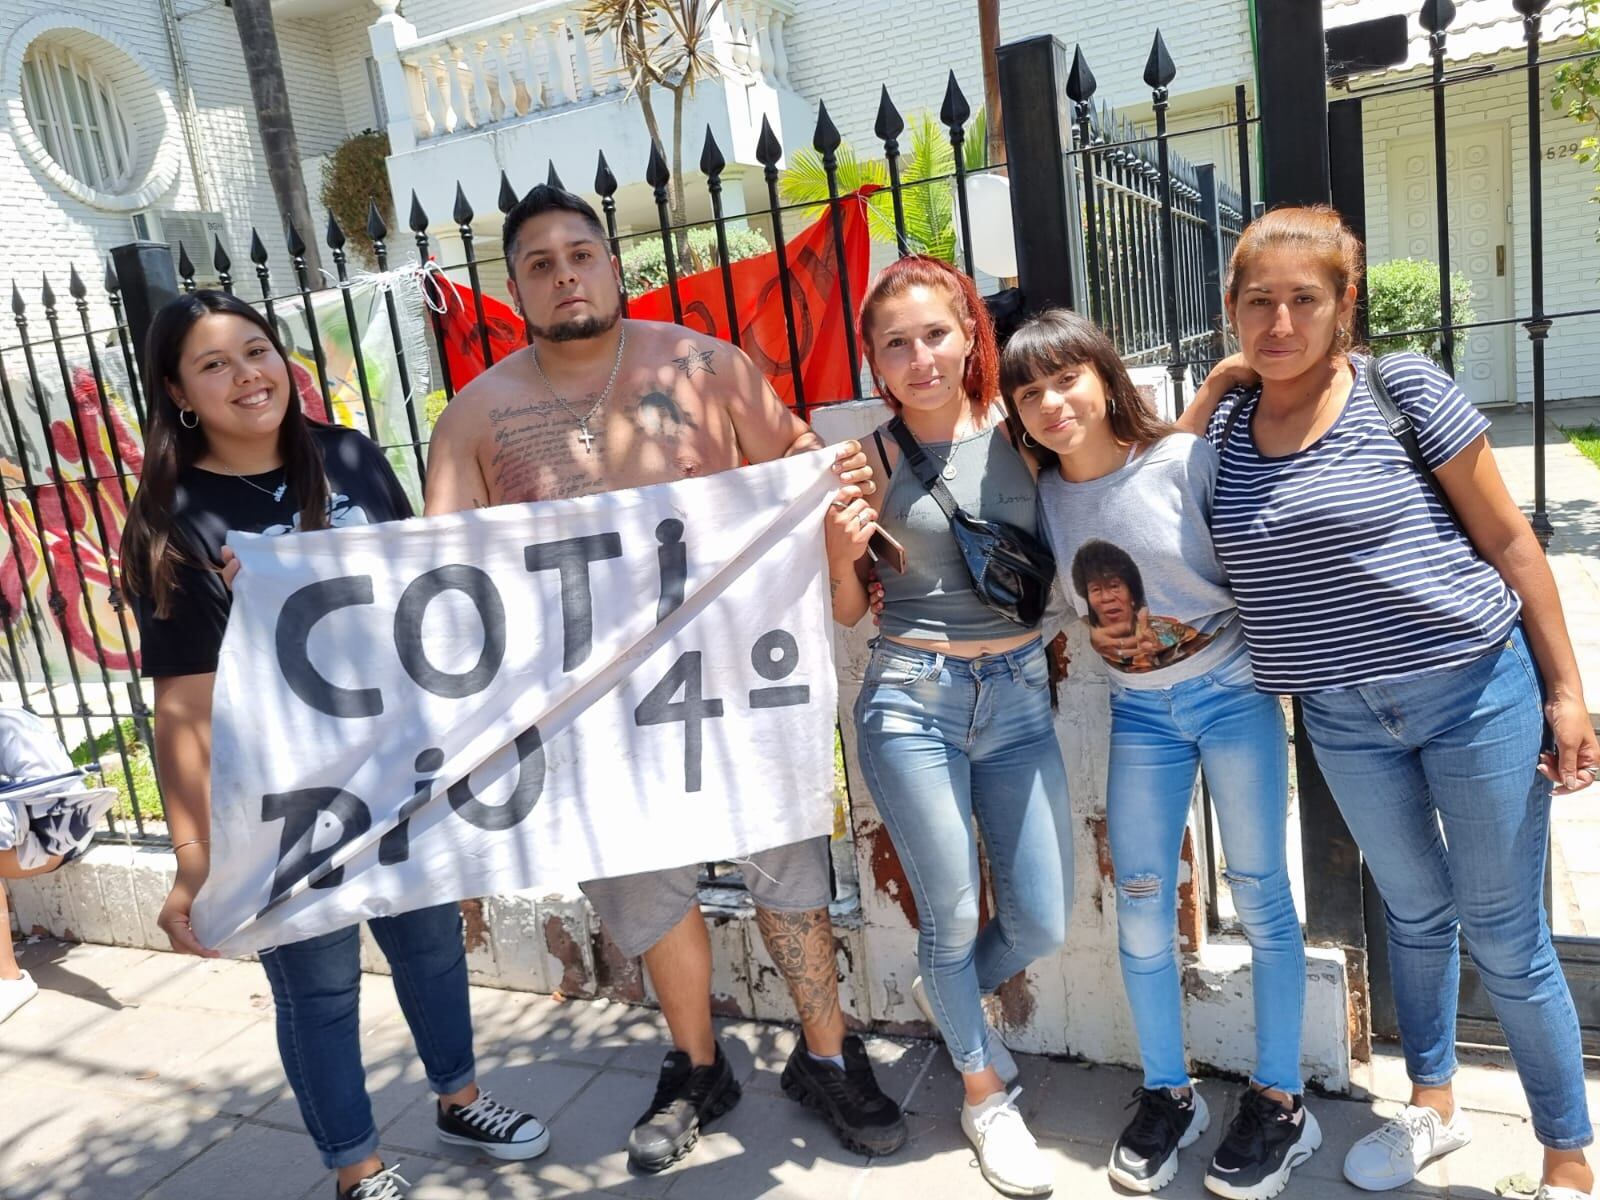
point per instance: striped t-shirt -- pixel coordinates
(1346, 568)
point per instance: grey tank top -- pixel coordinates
(934, 600)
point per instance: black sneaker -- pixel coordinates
(1264, 1143)
(866, 1120)
(494, 1128)
(385, 1185)
(687, 1099)
(1145, 1157)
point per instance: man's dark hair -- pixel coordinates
(540, 200)
(1098, 561)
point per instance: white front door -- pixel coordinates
(1480, 242)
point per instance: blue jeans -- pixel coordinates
(945, 739)
(1435, 777)
(316, 985)
(1159, 736)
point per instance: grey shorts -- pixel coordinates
(639, 910)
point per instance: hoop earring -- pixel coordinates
(1027, 440)
(1111, 404)
(188, 412)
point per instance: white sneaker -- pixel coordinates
(1390, 1156)
(14, 993)
(999, 1055)
(1007, 1154)
(1546, 1192)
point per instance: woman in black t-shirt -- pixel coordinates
(227, 447)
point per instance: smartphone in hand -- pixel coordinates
(885, 549)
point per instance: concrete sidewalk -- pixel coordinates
(136, 1074)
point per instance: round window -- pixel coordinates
(89, 116)
(76, 115)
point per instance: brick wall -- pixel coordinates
(47, 230)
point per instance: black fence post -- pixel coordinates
(1292, 98)
(1348, 185)
(147, 278)
(1211, 257)
(1044, 186)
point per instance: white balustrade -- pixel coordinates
(541, 58)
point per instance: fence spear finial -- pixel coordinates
(825, 140)
(297, 244)
(890, 124)
(768, 149)
(335, 238)
(75, 284)
(656, 173)
(47, 293)
(605, 183)
(113, 284)
(955, 110)
(185, 266)
(507, 199)
(711, 160)
(419, 218)
(1159, 69)
(17, 306)
(552, 178)
(1436, 15)
(1080, 79)
(219, 256)
(258, 249)
(462, 212)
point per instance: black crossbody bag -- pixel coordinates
(1011, 569)
(1399, 425)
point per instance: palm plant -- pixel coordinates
(927, 194)
(661, 43)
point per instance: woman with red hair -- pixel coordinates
(954, 721)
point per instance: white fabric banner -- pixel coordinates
(519, 697)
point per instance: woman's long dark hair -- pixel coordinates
(1059, 338)
(149, 553)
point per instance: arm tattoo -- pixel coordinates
(801, 943)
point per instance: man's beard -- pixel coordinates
(579, 328)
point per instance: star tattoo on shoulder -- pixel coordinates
(695, 360)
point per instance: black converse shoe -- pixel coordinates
(866, 1120)
(1264, 1143)
(687, 1099)
(496, 1129)
(385, 1185)
(1145, 1157)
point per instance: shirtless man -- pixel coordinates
(598, 404)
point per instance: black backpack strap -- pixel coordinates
(1227, 426)
(1404, 432)
(877, 440)
(924, 468)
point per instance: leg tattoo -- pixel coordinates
(801, 943)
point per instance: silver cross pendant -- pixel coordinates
(588, 438)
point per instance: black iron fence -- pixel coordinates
(1156, 228)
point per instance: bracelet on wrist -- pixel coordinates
(192, 842)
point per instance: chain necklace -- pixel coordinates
(276, 493)
(948, 461)
(583, 421)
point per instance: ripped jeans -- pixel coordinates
(1158, 737)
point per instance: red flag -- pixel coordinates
(815, 292)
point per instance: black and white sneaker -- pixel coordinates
(1145, 1157)
(498, 1130)
(1263, 1144)
(385, 1185)
(687, 1099)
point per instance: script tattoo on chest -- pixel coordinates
(535, 453)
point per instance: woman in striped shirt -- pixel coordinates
(1420, 649)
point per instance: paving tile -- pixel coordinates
(395, 1078)
(766, 1147)
(278, 1164)
(1079, 1102)
(587, 1141)
(74, 1144)
(595, 1032)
